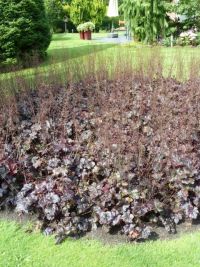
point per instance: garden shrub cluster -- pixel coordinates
(120, 154)
(188, 38)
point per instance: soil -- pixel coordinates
(159, 234)
(104, 237)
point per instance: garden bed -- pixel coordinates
(123, 155)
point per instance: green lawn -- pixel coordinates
(20, 249)
(68, 46)
(68, 49)
(65, 50)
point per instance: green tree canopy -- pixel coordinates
(24, 29)
(146, 18)
(191, 11)
(55, 12)
(87, 10)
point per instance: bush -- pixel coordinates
(167, 42)
(187, 38)
(24, 30)
(120, 154)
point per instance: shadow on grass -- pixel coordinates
(61, 37)
(58, 55)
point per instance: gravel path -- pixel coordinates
(119, 40)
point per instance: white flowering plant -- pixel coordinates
(80, 28)
(88, 26)
(188, 38)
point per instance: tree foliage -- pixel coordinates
(55, 13)
(147, 19)
(24, 29)
(191, 11)
(87, 10)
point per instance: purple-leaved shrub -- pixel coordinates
(122, 154)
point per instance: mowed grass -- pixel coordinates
(20, 249)
(68, 46)
(68, 49)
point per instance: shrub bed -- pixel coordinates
(120, 154)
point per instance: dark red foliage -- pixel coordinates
(121, 154)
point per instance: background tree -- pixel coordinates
(24, 29)
(190, 10)
(147, 19)
(68, 2)
(87, 10)
(55, 13)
